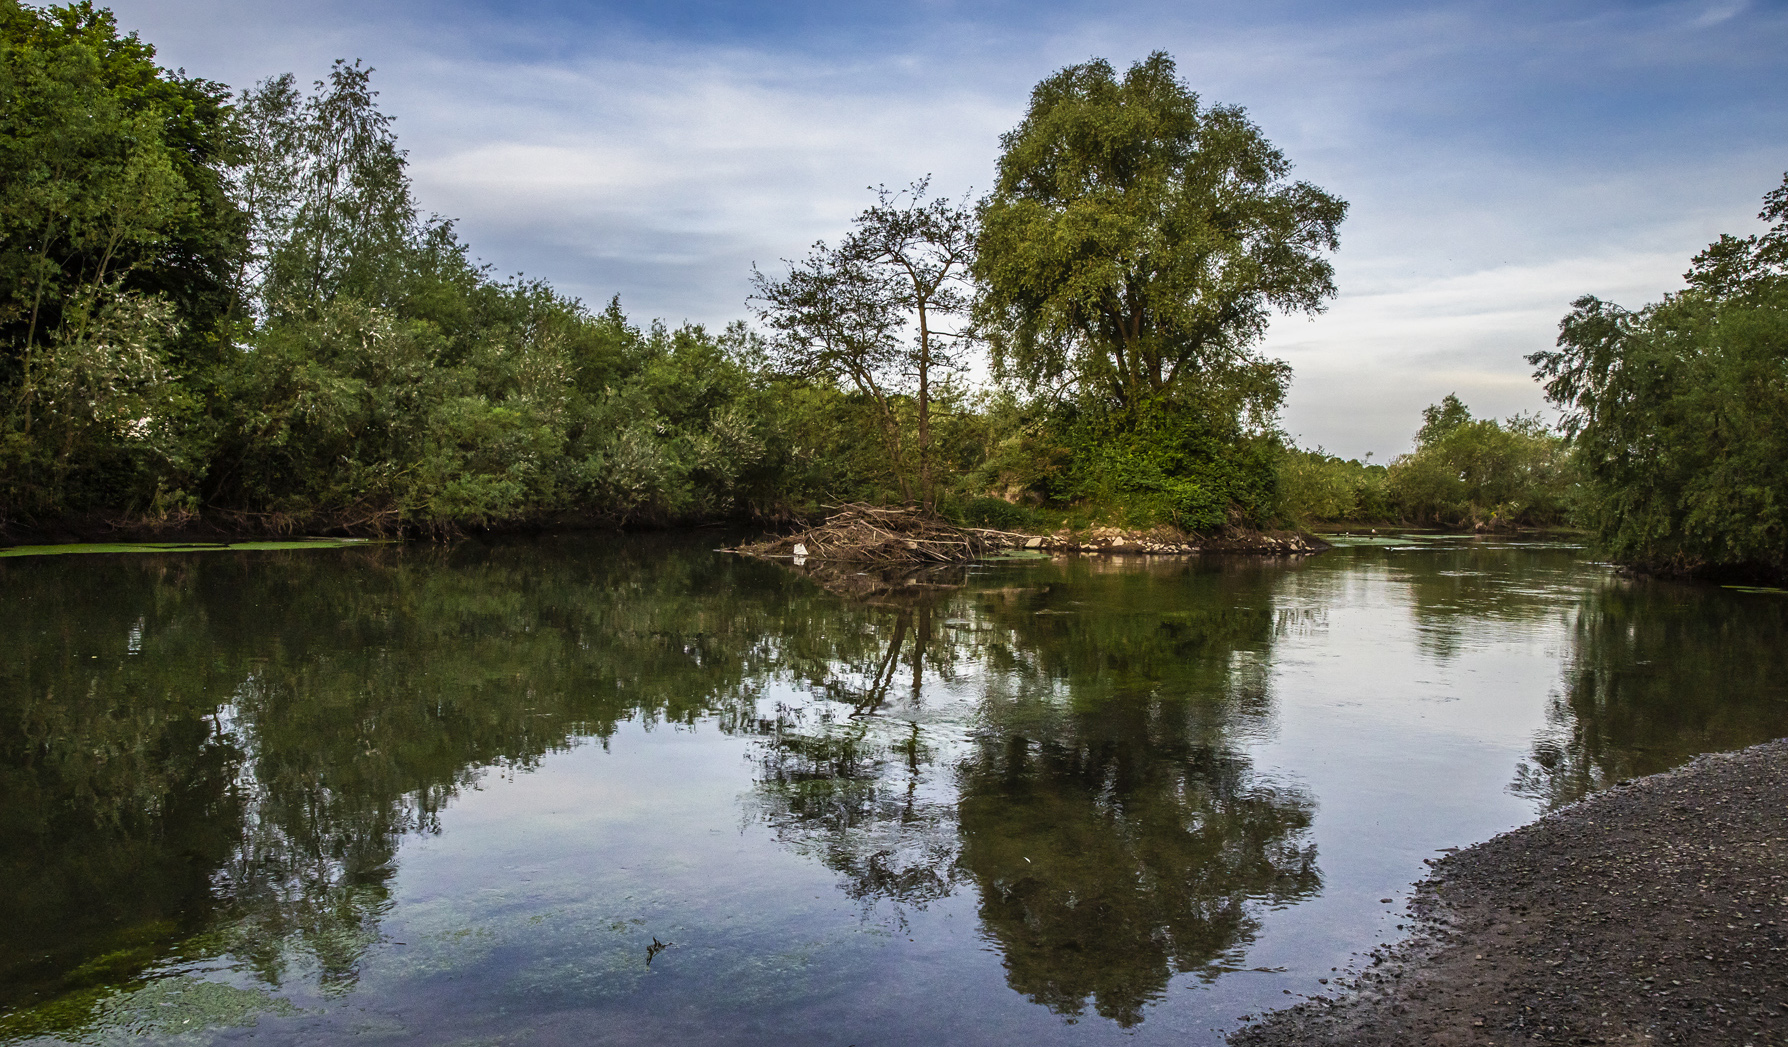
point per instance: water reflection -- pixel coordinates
(210, 755)
(1114, 849)
(1461, 592)
(1657, 674)
(205, 757)
(1112, 833)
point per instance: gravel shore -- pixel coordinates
(1653, 913)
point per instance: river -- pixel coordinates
(598, 790)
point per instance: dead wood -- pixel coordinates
(868, 534)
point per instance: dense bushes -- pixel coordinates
(236, 309)
(1680, 410)
(1464, 472)
(1469, 472)
(1318, 487)
(1166, 462)
(116, 240)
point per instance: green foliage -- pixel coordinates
(1162, 462)
(875, 311)
(115, 245)
(233, 307)
(996, 513)
(360, 372)
(326, 194)
(1317, 487)
(1131, 254)
(1136, 243)
(1464, 472)
(1680, 410)
(1472, 472)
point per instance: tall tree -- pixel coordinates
(885, 307)
(830, 319)
(326, 192)
(1136, 242)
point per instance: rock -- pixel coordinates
(1033, 543)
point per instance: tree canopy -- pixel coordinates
(117, 240)
(1679, 410)
(1136, 241)
(885, 310)
(228, 308)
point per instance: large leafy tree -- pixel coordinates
(1136, 242)
(111, 169)
(1679, 410)
(326, 192)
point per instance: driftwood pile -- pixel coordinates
(868, 534)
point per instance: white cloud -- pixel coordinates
(1377, 358)
(664, 178)
(1720, 12)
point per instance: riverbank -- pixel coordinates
(1161, 541)
(1655, 912)
(239, 528)
(231, 527)
(865, 534)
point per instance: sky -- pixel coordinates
(1501, 158)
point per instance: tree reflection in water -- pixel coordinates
(1658, 673)
(1112, 832)
(220, 754)
(209, 756)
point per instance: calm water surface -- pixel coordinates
(456, 795)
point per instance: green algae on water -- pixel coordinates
(186, 547)
(154, 1008)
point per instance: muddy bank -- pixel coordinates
(1655, 912)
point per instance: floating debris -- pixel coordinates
(868, 534)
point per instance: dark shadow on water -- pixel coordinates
(1659, 672)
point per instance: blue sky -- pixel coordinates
(1501, 158)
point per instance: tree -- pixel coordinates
(1438, 420)
(1136, 243)
(116, 246)
(875, 310)
(1747, 266)
(1679, 411)
(1482, 472)
(326, 192)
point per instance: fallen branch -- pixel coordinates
(869, 534)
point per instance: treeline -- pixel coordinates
(228, 307)
(1679, 411)
(1672, 449)
(233, 306)
(1465, 473)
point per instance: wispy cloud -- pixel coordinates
(1720, 12)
